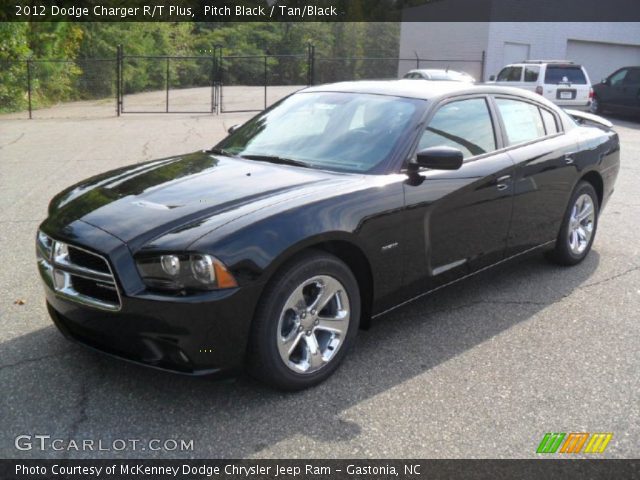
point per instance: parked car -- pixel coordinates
(619, 92)
(337, 205)
(564, 83)
(439, 75)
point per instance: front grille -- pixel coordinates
(87, 260)
(105, 292)
(80, 275)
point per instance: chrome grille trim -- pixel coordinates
(80, 271)
(58, 272)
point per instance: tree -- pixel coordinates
(14, 49)
(57, 42)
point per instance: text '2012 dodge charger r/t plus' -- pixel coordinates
(334, 206)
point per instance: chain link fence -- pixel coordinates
(63, 84)
(253, 82)
(218, 83)
(162, 84)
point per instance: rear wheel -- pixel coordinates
(307, 320)
(578, 228)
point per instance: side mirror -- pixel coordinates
(492, 78)
(439, 158)
(233, 128)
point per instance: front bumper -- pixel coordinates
(200, 334)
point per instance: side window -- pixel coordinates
(633, 77)
(522, 120)
(549, 121)
(617, 78)
(510, 74)
(463, 124)
(531, 74)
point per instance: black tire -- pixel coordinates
(562, 253)
(596, 106)
(263, 356)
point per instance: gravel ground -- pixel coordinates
(482, 369)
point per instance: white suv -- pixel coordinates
(564, 83)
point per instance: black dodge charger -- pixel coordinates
(334, 206)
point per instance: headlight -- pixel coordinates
(193, 271)
(45, 245)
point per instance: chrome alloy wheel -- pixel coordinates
(581, 224)
(313, 324)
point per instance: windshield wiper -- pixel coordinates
(222, 151)
(277, 159)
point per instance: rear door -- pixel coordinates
(458, 220)
(530, 77)
(544, 171)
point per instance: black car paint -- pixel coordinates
(405, 232)
(623, 97)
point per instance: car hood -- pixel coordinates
(142, 202)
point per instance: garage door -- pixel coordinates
(601, 59)
(515, 52)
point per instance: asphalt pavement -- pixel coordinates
(481, 369)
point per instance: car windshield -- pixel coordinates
(556, 75)
(351, 132)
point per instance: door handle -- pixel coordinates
(501, 182)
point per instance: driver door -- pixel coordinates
(615, 95)
(459, 220)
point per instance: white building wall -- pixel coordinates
(443, 41)
(548, 40)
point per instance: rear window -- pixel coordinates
(549, 122)
(531, 74)
(559, 74)
(522, 121)
(633, 77)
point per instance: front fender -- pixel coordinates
(369, 219)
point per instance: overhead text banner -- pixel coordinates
(320, 10)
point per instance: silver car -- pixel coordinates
(439, 75)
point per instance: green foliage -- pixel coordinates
(13, 72)
(54, 81)
(89, 53)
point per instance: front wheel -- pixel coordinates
(578, 228)
(596, 106)
(306, 321)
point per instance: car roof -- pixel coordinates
(549, 61)
(554, 63)
(432, 70)
(420, 90)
